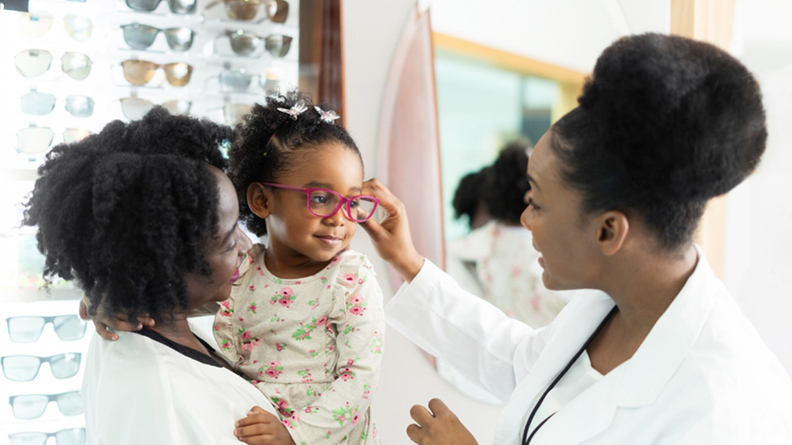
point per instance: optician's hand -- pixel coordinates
(438, 427)
(262, 428)
(103, 321)
(392, 237)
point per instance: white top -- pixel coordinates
(499, 264)
(579, 378)
(137, 390)
(701, 376)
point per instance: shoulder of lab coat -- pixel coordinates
(702, 375)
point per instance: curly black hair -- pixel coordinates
(269, 140)
(506, 185)
(663, 125)
(468, 195)
(127, 212)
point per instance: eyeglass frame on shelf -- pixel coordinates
(343, 201)
(42, 360)
(47, 320)
(50, 398)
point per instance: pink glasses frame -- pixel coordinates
(342, 201)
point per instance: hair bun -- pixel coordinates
(676, 112)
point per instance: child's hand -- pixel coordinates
(262, 428)
(103, 321)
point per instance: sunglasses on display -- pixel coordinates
(325, 203)
(42, 104)
(25, 368)
(175, 6)
(140, 72)
(28, 329)
(246, 10)
(32, 406)
(35, 140)
(245, 43)
(139, 36)
(32, 63)
(135, 108)
(35, 24)
(70, 436)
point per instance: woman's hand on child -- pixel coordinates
(103, 322)
(262, 428)
(391, 237)
(438, 427)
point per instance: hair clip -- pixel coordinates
(327, 116)
(295, 111)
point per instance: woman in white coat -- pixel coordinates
(655, 351)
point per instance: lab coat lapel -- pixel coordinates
(586, 415)
(576, 327)
(667, 345)
(640, 380)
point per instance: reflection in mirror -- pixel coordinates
(489, 116)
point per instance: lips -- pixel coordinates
(330, 241)
(235, 276)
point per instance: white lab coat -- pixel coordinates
(702, 375)
(139, 391)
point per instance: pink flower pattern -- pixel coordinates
(318, 336)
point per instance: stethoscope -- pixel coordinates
(526, 439)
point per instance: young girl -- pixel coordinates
(305, 321)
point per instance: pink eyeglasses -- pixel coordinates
(325, 203)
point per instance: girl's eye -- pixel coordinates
(530, 202)
(318, 199)
(355, 203)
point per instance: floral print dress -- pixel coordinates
(313, 345)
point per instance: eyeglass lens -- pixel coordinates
(24, 368)
(32, 406)
(34, 24)
(235, 81)
(243, 42)
(72, 436)
(135, 108)
(37, 104)
(80, 106)
(34, 140)
(28, 329)
(324, 204)
(176, 6)
(278, 45)
(140, 36)
(79, 27)
(277, 10)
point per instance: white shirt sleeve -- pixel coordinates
(491, 349)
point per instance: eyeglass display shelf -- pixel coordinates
(30, 295)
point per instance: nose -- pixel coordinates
(337, 219)
(245, 243)
(527, 218)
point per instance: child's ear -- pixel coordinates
(259, 200)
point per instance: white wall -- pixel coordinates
(569, 33)
(759, 222)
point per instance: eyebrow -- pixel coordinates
(325, 185)
(533, 182)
